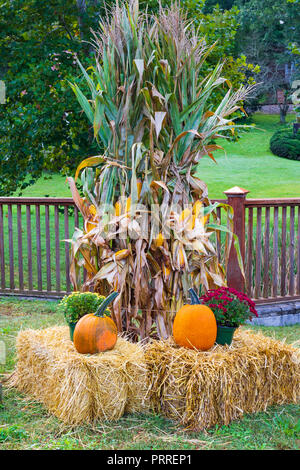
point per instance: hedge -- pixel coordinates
(285, 143)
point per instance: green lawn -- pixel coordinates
(48, 186)
(248, 163)
(25, 424)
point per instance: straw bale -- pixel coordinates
(198, 389)
(80, 388)
(202, 389)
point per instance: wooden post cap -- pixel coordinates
(236, 191)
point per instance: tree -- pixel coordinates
(223, 4)
(265, 36)
(41, 126)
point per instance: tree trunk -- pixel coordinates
(81, 6)
(283, 112)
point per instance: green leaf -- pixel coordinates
(84, 103)
(98, 116)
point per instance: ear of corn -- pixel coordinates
(205, 219)
(197, 208)
(121, 254)
(166, 272)
(185, 214)
(118, 209)
(139, 188)
(128, 205)
(159, 240)
(90, 225)
(93, 210)
(181, 258)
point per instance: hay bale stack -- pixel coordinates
(80, 388)
(202, 389)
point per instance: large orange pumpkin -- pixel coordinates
(195, 326)
(96, 332)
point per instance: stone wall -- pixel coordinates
(281, 314)
(273, 109)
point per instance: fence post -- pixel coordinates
(236, 198)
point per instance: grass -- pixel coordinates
(25, 424)
(248, 163)
(49, 185)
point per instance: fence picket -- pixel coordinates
(258, 255)
(266, 254)
(292, 251)
(38, 247)
(275, 255)
(2, 250)
(67, 248)
(249, 252)
(48, 248)
(29, 246)
(283, 253)
(298, 255)
(20, 247)
(218, 236)
(10, 247)
(57, 251)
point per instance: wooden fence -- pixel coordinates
(35, 258)
(269, 235)
(34, 261)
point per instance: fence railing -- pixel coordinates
(35, 258)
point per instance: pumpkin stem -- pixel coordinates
(194, 297)
(100, 310)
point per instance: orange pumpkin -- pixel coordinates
(195, 326)
(96, 332)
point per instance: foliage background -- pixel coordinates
(41, 124)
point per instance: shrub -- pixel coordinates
(78, 304)
(284, 143)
